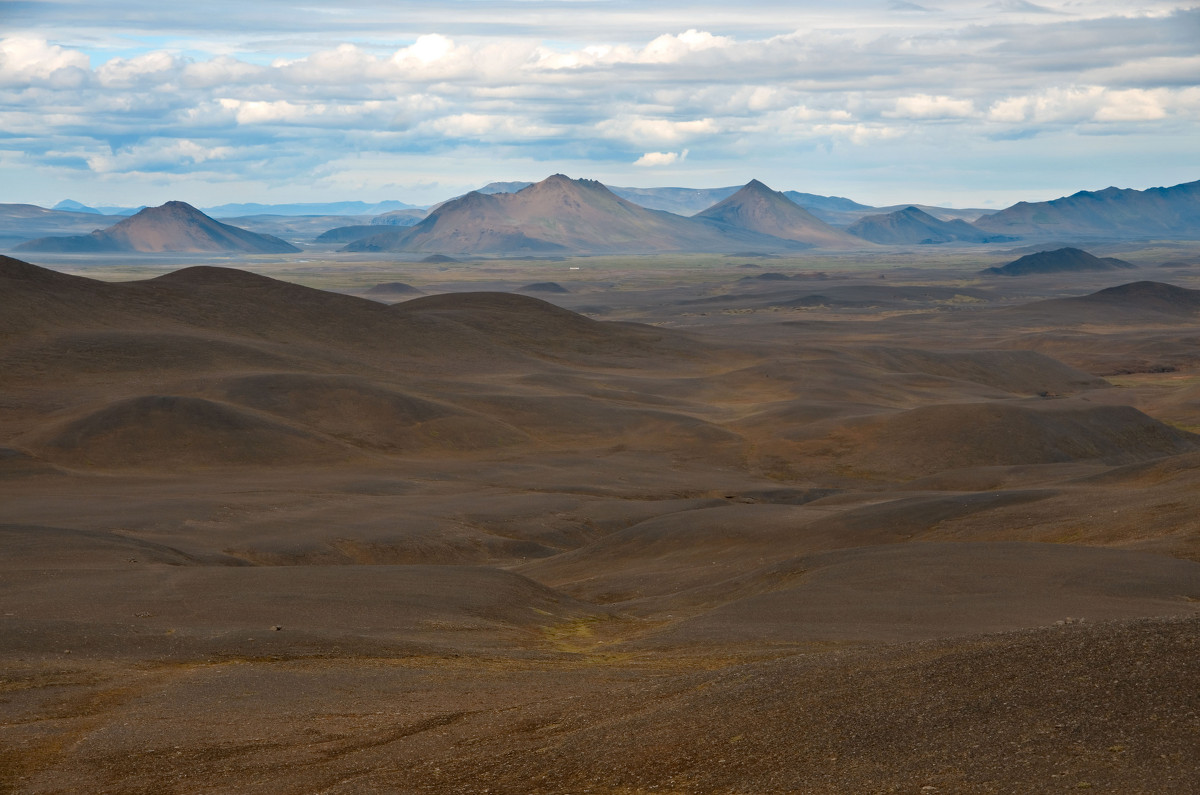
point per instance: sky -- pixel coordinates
(978, 103)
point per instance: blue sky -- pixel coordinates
(975, 103)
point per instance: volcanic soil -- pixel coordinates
(841, 530)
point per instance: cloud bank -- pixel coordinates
(259, 97)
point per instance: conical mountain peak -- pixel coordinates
(175, 226)
(561, 214)
(758, 208)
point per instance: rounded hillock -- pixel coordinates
(366, 415)
(543, 287)
(347, 234)
(394, 288)
(167, 431)
(515, 322)
(1063, 260)
(205, 275)
(944, 437)
(15, 269)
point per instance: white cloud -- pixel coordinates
(153, 67)
(433, 55)
(1132, 105)
(655, 159)
(669, 49)
(924, 106)
(30, 60)
(665, 49)
(1010, 109)
(751, 83)
(666, 131)
(158, 155)
(221, 72)
(486, 127)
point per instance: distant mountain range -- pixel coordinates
(252, 208)
(174, 227)
(915, 226)
(564, 215)
(1109, 213)
(603, 218)
(318, 208)
(689, 201)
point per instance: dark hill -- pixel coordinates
(1152, 296)
(1109, 213)
(544, 287)
(514, 322)
(936, 438)
(172, 431)
(757, 208)
(914, 226)
(1059, 261)
(174, 227)
(347, 234)
(559, 215)
(393, 289)
(1136, 302)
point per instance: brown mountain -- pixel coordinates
(1057, 261)
(915, 226)
(175, 227)
(757, 208)
(1112, 212)
(560, 215)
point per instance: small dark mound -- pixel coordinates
(771, 276)
(347, 234)
(15, 463)
(481, 302)
(749, 265)
(1177, 263)
(1134, 302)
(1063, 260)
(171, 432)
(544, 287)
(394, 288)
(512, 321)
(203, 275)
(366, 415)
(932, 439)
(1157, 295)
(440, 258)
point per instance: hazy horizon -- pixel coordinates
(981, 105)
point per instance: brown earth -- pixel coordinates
(925, 534)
